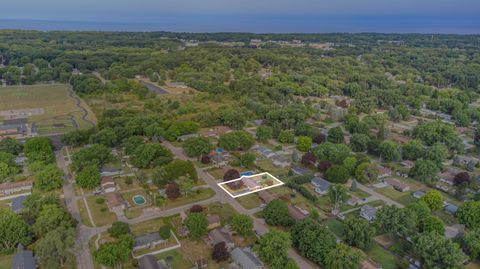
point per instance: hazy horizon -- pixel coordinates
(265, 16)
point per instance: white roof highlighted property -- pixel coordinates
(250, 184)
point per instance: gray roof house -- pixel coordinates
(321, 185)
(218, 235)
(264, 152)
(418, 194)
(450, 208)
(148, 262)
(23, 259)
(368, 212)
(17, 203)
(149, 240)
(298, 170)
(219, 160)
(281, 161)
(245, 259)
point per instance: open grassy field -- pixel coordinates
(6, 261)
(59, 110)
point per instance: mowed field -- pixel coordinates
(62, 111)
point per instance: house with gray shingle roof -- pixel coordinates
(149, 240)
(245, 259)
(321, 185)
(23, 259)
(368, 212)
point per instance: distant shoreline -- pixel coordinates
(260, 25)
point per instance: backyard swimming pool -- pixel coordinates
(138, 199)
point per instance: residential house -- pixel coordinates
(213, 221)
(20, 160)
(447, 177)
(148, 262)
(110, 171)
(23, 259)
(115, 202)
(418, 194)
(281, 161)
(108, 185)
(220, 235)
(257, 122)
(149, 240)
(245, 259)
(219, 160)
(263, 152)
(301, 171)
(321, 185)
(8, 188)
(450, 208)
(368, 212)
(383, 171)
(397, 185)
(17, 203)
(182, 231)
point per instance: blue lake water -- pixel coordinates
(268, 24)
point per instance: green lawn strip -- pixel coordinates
(6, 261)
(336, 226)
(383, 257)
(148, 226)
(198, 195)
(100, 213)
(83, 213)
(250, 201)
(225, 211)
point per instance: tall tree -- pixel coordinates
(344, 257)
(56, 248)
(13, 230)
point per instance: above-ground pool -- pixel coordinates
(138, 199)
(247, 173)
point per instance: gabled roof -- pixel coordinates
(23, 260)
(218, 236)
(147, 239)
(245, 258)
(321, 183)
(148, 262)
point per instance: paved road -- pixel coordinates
(83, 256)
(153, 88)
(258, 224)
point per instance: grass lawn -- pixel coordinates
(445, 217)
(404, 198)
(128, 197)
(6, 261)
(133, 213)
(250, 201)
(359, 193)
(383, 257)
(54, 99)
(336, 226)
(225, 211)
(199, 195)
(83, 213)
(267, 166)
(122, 185)
(100, 213)
(147, 226)
(472, 265)
(217, 173)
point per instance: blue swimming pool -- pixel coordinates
(138, 199)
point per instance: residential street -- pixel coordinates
(85, 234)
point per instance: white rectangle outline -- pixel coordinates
(242, 177)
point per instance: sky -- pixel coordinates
(435, 16)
